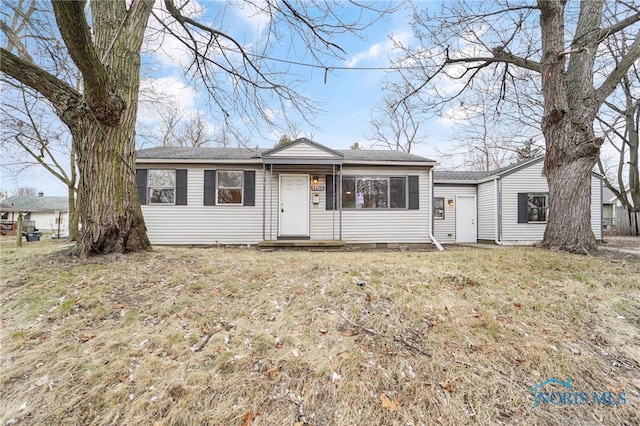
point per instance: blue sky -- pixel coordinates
(347, 95)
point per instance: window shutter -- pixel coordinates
(209, 187)
(414, 193)
(523, 207)
(330, 191)
(249, 188)
(181, 187)
(141, 183)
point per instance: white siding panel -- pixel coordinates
(528, 179)
(531, 179)
(487, 211)
(596, 207)
(198, 224)
(445, 229)
(303, 150)
(388, 225)
(202, 225)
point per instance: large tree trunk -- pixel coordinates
(569, 112)
(108, 201)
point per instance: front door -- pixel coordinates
(466, 219)
(294, 206)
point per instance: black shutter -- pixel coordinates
(330, 190)
(249, 188)
(414, 193)
(523, 207)
(181, 187)
(209, 187)
(141, 183)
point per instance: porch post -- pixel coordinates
(264, 200)
(339, 198)
(271, 202)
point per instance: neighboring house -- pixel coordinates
(609, 201)
(296, 193)
(505, 206)
(44, 212)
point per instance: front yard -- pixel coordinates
(186, 336)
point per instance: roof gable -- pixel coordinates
(302, 151)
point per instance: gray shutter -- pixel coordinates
(523, 207)
(209, 187)
(414, 193)
(181, 187)
(249, 188)
(330, 191)
(141, 183)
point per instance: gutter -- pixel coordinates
(433, 239)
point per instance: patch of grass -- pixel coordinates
(447, 338)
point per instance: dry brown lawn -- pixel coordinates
(195, 336)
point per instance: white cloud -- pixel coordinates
(169, 90)
(380, 50)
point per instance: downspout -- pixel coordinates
(498, 192)
(433, 239)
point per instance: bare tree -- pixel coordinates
(107, 53)
(396, 124)
(619, 121)
(29, 121)
(28, 191)
(558, 40)
(29, 125)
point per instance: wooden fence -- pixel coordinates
(627, 223)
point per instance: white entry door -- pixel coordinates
(294, 205)
(466, 231)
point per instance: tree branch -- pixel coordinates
(618, 26)
(64, 98)
(612, 80)
(76, 33)
(500, 57)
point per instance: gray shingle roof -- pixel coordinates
(474, 177)
(380, 155)
(189, 153)
(35, 204)
(459, 175)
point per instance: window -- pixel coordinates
(230, 186)
(538, 205)
(438, 208)
(374, 192)
(161, 186)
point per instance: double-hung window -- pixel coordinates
(533, 207)
(373, 192)
(230, 187)
(161, 185)
(538, 206)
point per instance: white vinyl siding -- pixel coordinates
(445, 230)
(487, 211)
(531, 180)
(198, 224)
(596, 207)
(303, 150)
(388, 225)
(358, 226)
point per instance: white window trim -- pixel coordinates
(218, 203)
(149, 188)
